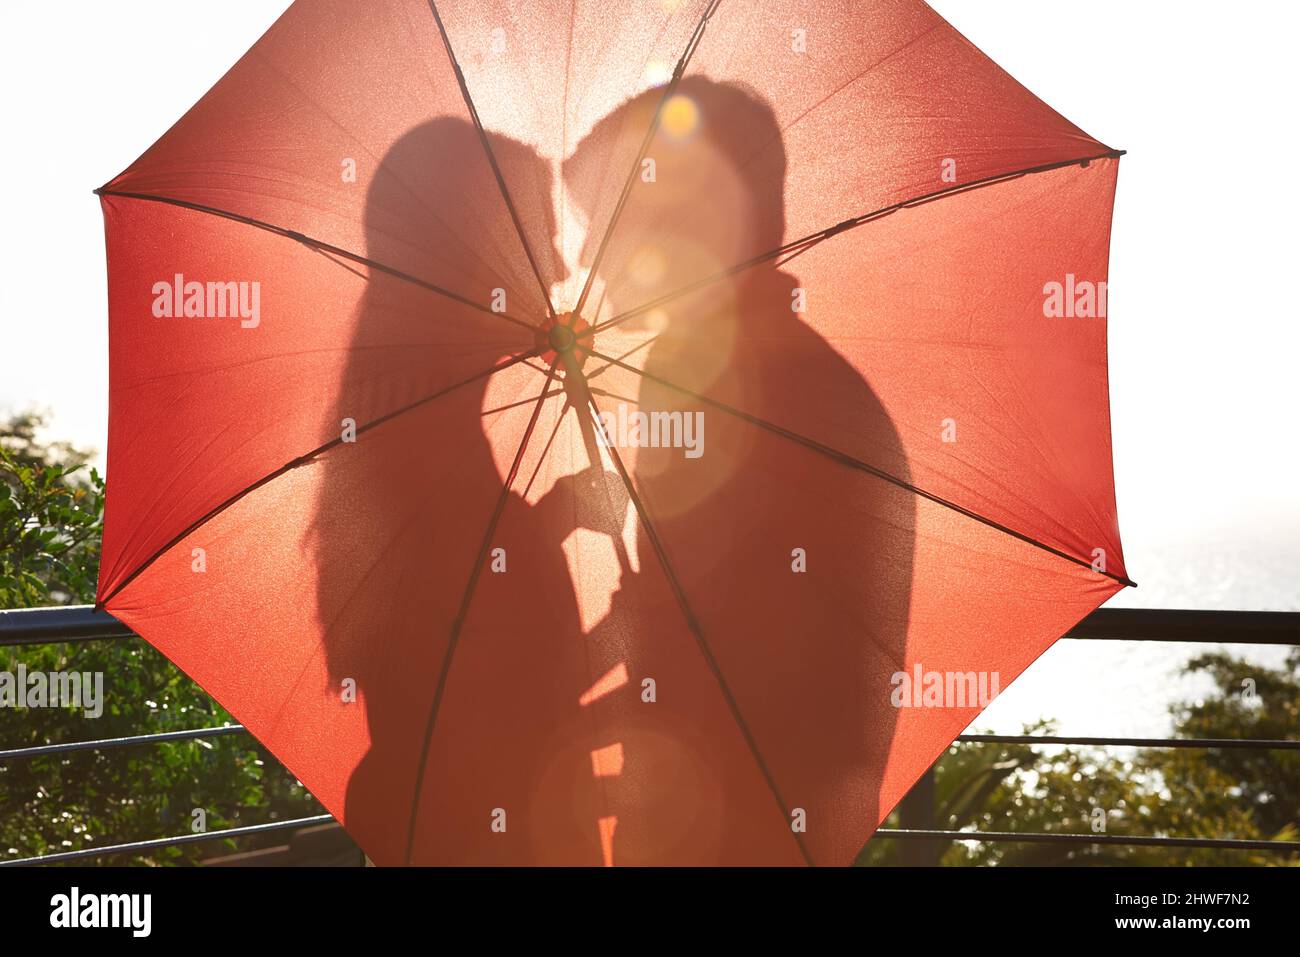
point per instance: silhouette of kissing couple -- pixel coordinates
(581, 684)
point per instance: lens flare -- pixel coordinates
(657, 73)
(648, 266)
(680, 117)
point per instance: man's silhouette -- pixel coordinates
(800, 607)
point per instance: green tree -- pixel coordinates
(1162, 792)
(51, 518)
(51, 522)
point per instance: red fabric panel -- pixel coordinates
(352, 565)
(930, 315)
(893, 581)
(881, 96)
(200, 409)
(334, 81)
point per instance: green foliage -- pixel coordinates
(1161, 792)
(51, 521)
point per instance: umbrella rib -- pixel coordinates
(541, 459)
(846, 459)
(459, 621)
(669, 90)
(492, 160)
(319, 246)
(697, 632)
(302, 460)
(798, 246)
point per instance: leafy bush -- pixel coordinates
(51, 522)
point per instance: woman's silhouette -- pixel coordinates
(405, 510)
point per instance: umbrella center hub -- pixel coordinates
(561, 338)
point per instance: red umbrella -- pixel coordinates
(575, 434)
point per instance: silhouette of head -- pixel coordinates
(435, 209)
(708, 195)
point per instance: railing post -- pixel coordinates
(916, 813)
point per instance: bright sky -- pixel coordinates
(1204, 335)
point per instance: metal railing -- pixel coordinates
(84, 623)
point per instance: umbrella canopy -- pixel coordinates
(578, 433)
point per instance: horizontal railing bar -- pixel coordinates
(1007, 837)
(1040, 837)
(70, 623)
(1175, 624)
(1262, 744)
(156, 843)
(30, 626)
(106, 743)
